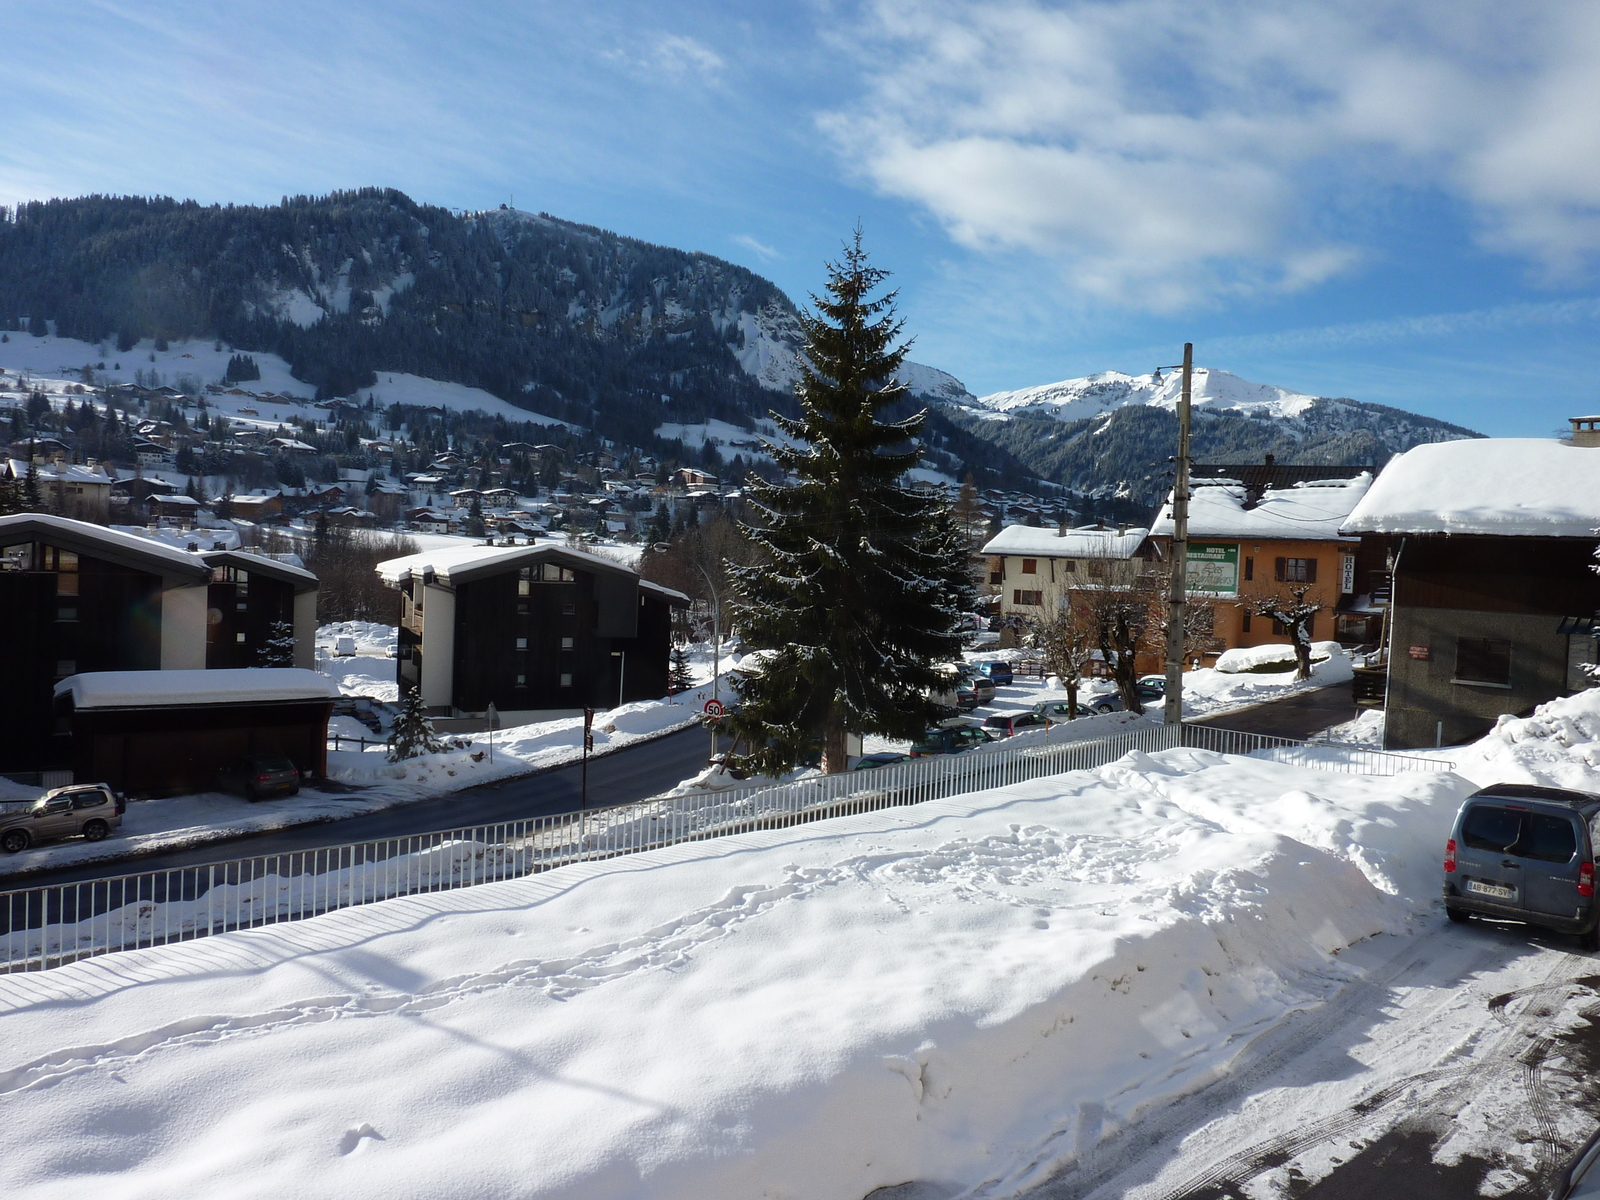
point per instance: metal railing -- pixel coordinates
(46, 927)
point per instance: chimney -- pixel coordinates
(1122, 528)
(1267, 460)
(1585, 431)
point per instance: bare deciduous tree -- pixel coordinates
(1068, 640)
(1294, 606)
(1126, 619)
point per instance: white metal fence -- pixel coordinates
(45, 927)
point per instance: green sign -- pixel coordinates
(1213, 567)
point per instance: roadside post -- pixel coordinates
(714, 713)
(493, 718)
(588, 745)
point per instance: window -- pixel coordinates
(996, 576)
(67, 612)
(1483, 660)
(567, 643)
(522, 680)
(1490, 827)
(1548, 838)
(569, 610)
(1296, 570)
(239, 637)
(566, 679)
(1018, 596)
(65, 667)
(1244, 625)
(1030, 566)
(522, 643)
(557, 574)
(1249, 568)
(1070, 565)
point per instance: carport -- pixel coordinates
(168, 732)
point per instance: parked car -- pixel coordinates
(950, 739)
(1158, 682)
(1526, 853)
(1059, 710)
(1580, 1178)
(262, 777)
(956, 697)
(999, 672)
(1112, 701)
(1005, 724)
(969, 676)
(883, 758)
(91, 810)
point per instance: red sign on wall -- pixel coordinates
(1420, 652)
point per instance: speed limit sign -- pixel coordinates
(714, 709)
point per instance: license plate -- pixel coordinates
(1500, 891)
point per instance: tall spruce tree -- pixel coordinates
(857, 599)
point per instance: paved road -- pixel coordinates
(639, 771)
(1297, 716)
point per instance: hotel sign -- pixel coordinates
(1213, 567)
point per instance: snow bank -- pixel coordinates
(121, 689)
(1248, 658)
(1559, 746)
(965, 991)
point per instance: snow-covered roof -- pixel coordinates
(1511, 487)
(669, 594)
(1074, 543)
(99, 542)
(133, 689)
(459, 564)
(273, 566)
(1305, 512)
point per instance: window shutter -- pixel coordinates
(1311, 570)
(1279, 570)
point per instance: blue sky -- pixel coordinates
(1395, 201)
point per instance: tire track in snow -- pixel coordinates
(1230, 1176)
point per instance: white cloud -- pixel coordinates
(759, 248)
(1168, 152)
(672, 54)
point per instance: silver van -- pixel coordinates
(1526, 853)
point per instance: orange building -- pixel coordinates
(1252, 543)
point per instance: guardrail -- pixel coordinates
(46, 927)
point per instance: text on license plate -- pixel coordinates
(1490, 889)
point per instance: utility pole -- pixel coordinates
(1177, 599)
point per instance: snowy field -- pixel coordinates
(968, 992)
(57, 359)
(974, 993)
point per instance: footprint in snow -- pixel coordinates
(354, 1139)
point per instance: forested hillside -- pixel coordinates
(564, 319)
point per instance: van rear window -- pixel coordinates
(1549, 838)
(1489, 827)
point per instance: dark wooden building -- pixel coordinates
(78, 597)
(169, 732)
(528, 628)
(1494, 596)
(248, 596)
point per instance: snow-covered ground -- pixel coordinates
(62, 359)
(974, 993)
(967, 992)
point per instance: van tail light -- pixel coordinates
(1450, 856)
(1586, 879)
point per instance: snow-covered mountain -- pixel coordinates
(1116, 431)
(1094, 395)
